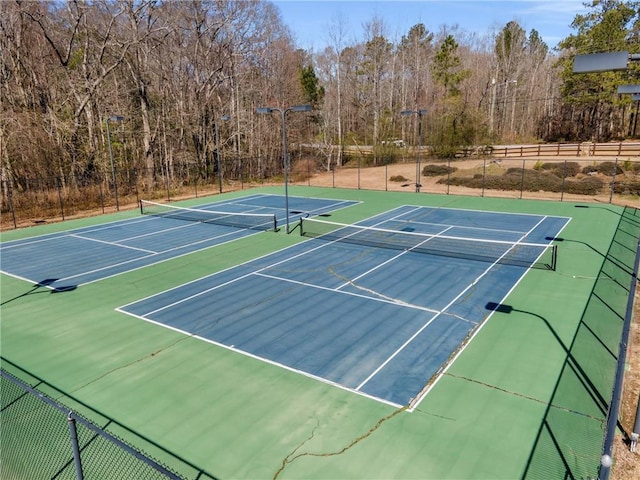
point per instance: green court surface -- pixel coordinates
(526, 398)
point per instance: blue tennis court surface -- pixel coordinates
(89, 254)
(380, 322)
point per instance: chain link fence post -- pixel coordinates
(73, 433)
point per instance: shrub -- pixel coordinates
(609, 168)
(533, 181)
(604, 168)
(584, 186)
(398, 178)
(437, 170)
(631, 167)
(627, 188)
(569, 169)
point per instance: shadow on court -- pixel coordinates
(580, 401)
(43, 286)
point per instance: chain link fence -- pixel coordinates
(512, 172)
(27, 201)
(614, 180)
(582, 399)
(45, 439)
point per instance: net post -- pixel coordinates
(141, 210)
(554, 257)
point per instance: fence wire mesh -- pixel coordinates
(508, 172)
(581, 401)
(39, 435)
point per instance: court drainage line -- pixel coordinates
(526, 397)
(291, 457)
(129, 364)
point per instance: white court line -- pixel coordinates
(423, 393)
(80, 237)
(388, 300)
(431, 237)
(262, 359)
(147, 256)
(258, 272)
(462, 226)
(233, 280)
(430, 321)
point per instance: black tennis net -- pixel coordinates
(521, 254)
(256, 221)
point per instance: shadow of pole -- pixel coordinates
(44, 284)
(573, 365)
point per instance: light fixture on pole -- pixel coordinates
(113, 118)
(283, 114)
(419, 113)
(224, 118)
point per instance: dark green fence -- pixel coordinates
(43, 438)
(584, 396)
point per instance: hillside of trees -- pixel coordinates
(177, 83)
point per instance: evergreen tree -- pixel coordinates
(311, 88)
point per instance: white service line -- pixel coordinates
(112, 243)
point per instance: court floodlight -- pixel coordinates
(628, 89)
(600, 62)
(283, 113)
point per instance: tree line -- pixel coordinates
(169, 85)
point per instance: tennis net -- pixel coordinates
(534, 255)
(257, 221)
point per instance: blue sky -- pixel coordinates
(309, 20)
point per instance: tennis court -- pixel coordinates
(389, 335)
(68, 259)
(377, 320)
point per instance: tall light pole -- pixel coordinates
(113, 118)
(419, 113)
(283, 113)
(224, 118)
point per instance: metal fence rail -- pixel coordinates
(44, 439)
